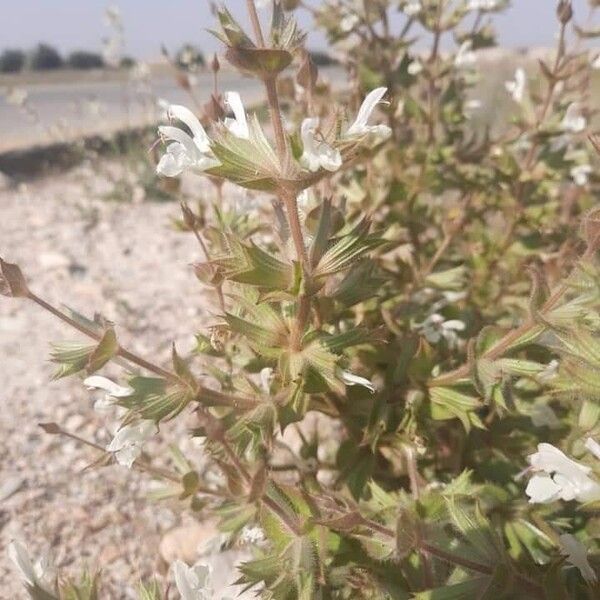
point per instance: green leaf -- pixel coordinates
(347, 249)
(589, 415)
(253, 266)
(451, 279)
(466, 590)
(477, 532)
(150, 591)
(153, 399)
(321, 238)
(519, 366)
(255, 334)
(250, 163)
(183, 371)
(71, 356)
(87, 588)
(107, 349)
(447, 403)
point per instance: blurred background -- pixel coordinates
(67, 68)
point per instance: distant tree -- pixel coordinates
(190, 57)
(45, 58)
(322, 59)
(12, 61)
(82, 59)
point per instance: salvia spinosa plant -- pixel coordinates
(428, 287)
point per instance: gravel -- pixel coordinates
(126, 261)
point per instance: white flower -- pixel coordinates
(465, 55)
(559, 477)
(185, 151)
(239, 124)
(573, 120)
(113, 390)
(193, 583)
(415, 67)
(317, 153)
(595, 64)
(516, 87)
(434, 328)
(128, 442)
(412, 8)
(360, 127)
(352, 379)
(580, 174)
(349, 22)
(34, 575)
(593, 446)
(576, 554)
(254, 536)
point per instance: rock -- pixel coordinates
(54, 260)
(184, 542)
(10, 486)
(6, 183)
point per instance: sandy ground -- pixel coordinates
(125, 261)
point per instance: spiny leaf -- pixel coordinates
(106, 349)
(251, 265)
(447, 403)
(255, 334)
(347, 249)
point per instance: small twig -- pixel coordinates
(122, 352)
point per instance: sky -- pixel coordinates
(79, 24)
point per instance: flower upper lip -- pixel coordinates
(238, 125)
(360, 127)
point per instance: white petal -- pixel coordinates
(193, 583)
(352, 379)
(365, 111)
(96, 382)
(185, 115)
(239, 126)
(550, 459)
(454, 324)
(169, 166)
(128, 441)
(331, 158)
(178, 135)
(542, 489)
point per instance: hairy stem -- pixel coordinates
(286, 197)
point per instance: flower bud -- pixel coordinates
(215, 65)
(12, 281)
(564, 11)
(189, 218)
(308, 73)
